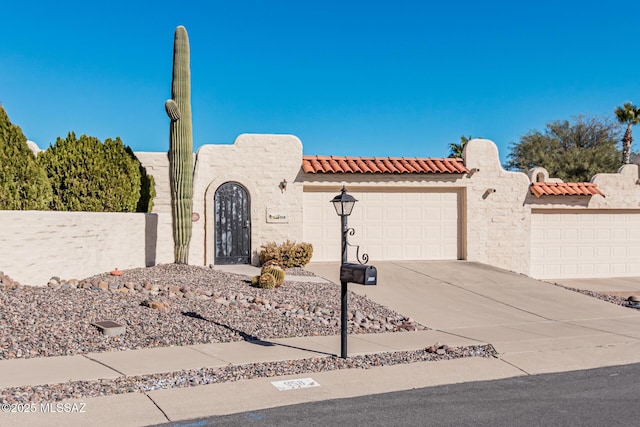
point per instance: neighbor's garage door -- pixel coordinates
(389, 225)
(585, 244)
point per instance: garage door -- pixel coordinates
(585, 244)
(390, 225)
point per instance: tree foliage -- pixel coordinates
(23, 183)
(87, 175)
(573, 150)
(455, 149)
(628, 115)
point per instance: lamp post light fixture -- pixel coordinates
(343, 203)
(350, 273)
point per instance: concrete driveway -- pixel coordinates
(516, 314)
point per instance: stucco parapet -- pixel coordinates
(540, 174)
(621, 189)
(290, 145)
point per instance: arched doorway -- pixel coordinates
(232, 209)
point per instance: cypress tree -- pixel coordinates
(23, 183)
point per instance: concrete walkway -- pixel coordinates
(535, 326)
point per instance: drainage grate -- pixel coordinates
(109, 327)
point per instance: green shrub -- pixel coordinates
(286, 255)
(87, 175)
(23, 183)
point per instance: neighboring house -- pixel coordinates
(262, 189)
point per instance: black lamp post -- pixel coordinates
(343, 203)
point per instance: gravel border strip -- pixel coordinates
(231, 373)
(604, 297)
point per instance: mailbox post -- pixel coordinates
(354, 273)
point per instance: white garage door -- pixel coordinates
(392, 225)
(585, 244)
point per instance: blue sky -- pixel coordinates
(363, 78)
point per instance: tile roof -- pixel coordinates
(564, 189)
(340, 164)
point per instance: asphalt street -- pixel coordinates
(595, 397)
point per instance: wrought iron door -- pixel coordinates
(233, 224)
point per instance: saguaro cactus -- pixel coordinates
(181, 147)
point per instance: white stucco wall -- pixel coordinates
(258, 162)
(36, 245)
(498, 221)
(495, 210)
(157, 165)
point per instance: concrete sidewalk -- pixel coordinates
(535, 326)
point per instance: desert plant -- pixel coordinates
(276, 271)
(181, 147)
(87, 175)
(267, 281)
(269, 252)
(301, 254)
(287, 254)
(23, 182)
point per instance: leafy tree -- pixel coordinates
(628, 115)
(455, 150)
(573, 150)
(23, 183)
(87, 175)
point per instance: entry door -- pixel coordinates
(233, 224)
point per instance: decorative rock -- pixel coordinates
(157, 305)
(116, 272)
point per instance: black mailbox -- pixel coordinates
(358, 273)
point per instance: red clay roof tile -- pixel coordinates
(343, 164)
(564, 189)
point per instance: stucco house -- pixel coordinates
(424, 208)
(262, 188)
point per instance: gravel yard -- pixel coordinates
(172, 305)
(196, 305)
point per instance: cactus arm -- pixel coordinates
(173, 111)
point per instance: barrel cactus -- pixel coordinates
(276, 271)
(181, 147)
(267, 281)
